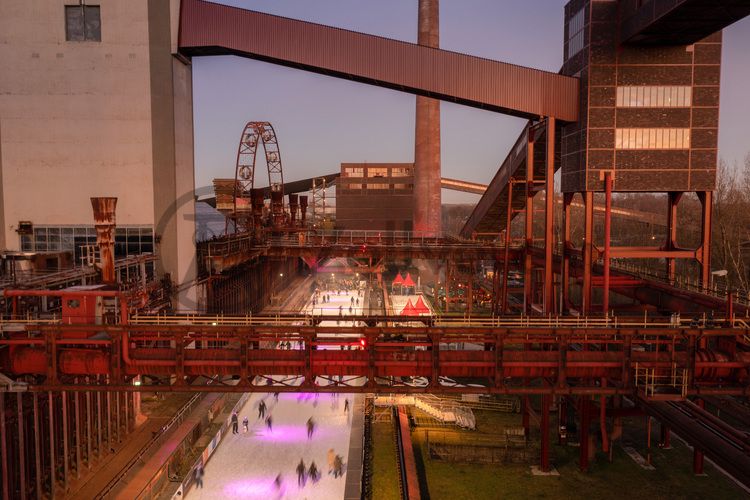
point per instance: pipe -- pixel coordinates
(104, 222)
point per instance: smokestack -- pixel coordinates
(427, 204)
(104, 221)
(303, 210)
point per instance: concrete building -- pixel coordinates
(93, 102)
(375, 196)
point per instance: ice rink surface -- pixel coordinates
(245, 465)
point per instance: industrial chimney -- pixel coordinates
(427, 205)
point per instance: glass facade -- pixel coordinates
(652, 138)
(575, 33)
(128, 240)
(654, 97)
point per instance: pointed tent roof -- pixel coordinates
(409, 309)
(399, 280)
(420, 307)
(408, 281)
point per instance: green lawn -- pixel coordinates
(672, 478)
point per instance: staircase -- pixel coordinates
(443, 410)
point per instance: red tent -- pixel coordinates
(420, 307)
(409, 309)
(408, 281)
(398, 281)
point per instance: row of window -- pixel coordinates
(83, 23)
(376, 186)
(128, 240)
(575, 34)
(652, 138)
(650, 96)
(377, 172)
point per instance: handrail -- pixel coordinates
(177, 418)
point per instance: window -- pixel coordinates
(377, 186)
(353, 171)
(377, 172)
(400, 172)
(83, 23)
(652, 138)
(575, 33)
(654, 97)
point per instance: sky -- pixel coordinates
(322, 121)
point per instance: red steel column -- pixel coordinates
(3, 447)
(706, 199)
(567, 199)
(585, 416)
(588, 248)
(549, 217)
(427, 203)
(52, 466)
(37, 446)
(506, 263)
(544, 430)
(607, 233)
(529, 224)
(673, 200)
(21, 446)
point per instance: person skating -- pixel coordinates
(310, 427)
(314, 474)
(276, 396)
(301, 473)
(245, 425)
(235, 426)
(269, 423)
(346, 405)
(338, 466)
(331, 459)
(277, 482)
(199, 476)
(261, 409)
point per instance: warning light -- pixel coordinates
(363, 343)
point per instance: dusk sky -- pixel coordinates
(322, 121)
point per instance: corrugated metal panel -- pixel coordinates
(212, 29)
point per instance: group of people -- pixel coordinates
(335, 467)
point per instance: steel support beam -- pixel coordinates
(607, 231)
(549, 219)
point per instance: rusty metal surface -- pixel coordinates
(211, 29)
(104, 222)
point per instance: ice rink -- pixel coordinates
(245, 465)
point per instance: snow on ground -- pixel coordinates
(245, 465)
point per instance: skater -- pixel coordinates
(261, 409)
(276, 396)
(314, 474)
(346, 405)
(350, 310)
(331, 459)
(338, 466)
(235, 426)
(357, 302)
(269, 423)
(245, 424)
(352, 301)
(301, 473)
(277, 482)
(310, 427)
(199, 476)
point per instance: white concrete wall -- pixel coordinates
(75, 116)
(109, 118)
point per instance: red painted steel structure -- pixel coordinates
(212, 29)
(567, 359)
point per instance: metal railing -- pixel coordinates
(653, 381)
(153, 442)
(599, 322)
